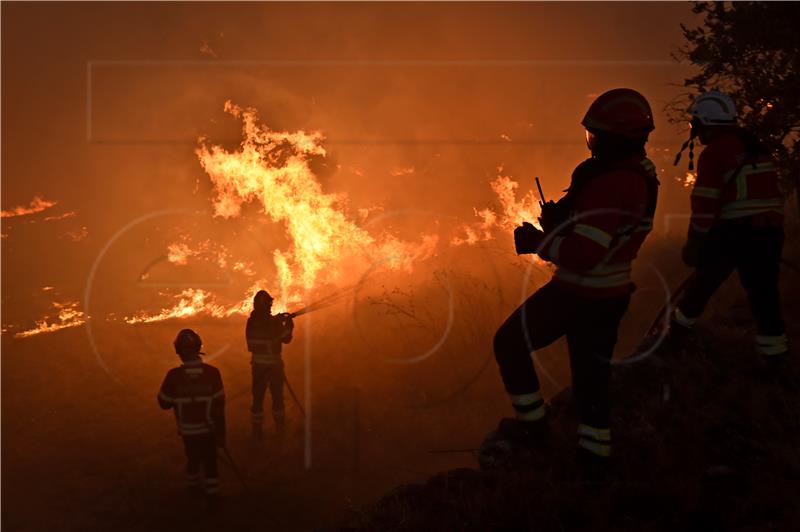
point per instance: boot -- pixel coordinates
(524, 433)
(592, 468)
(279, 416)
(676, 338)
(775, 364)
(256, 420)
(515, 444)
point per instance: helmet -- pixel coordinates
(621, 111)
(262, 299)
(714, 108)
(187, 342)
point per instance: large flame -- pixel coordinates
(273, 169)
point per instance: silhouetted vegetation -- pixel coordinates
(751, 51)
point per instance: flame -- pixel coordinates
(77, 235)
(198, 302)
(37, 204)
(191, 302)
(68, 214)
(68, 316)
(688, 180)
(511, 213)
(179, 252)
(398, 171)
(273, 169)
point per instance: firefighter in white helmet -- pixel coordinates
(736, 224)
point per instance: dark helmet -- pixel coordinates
(262, 300)
(188, 342)
(623, 112)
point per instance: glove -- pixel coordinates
(527, 238)
(286, 320)
(691, 250)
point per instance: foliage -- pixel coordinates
(751, 50)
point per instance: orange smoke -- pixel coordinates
(37, 204)
(273, 169)
(510, 212)
(68, 316)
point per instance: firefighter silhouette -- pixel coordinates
(592, 235)
(736, 224)
(266, 333)
(194, 391)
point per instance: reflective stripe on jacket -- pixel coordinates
(613, 214)
(265, 335)
(195, 392)
(732, 184)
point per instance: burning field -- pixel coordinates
(365, 178)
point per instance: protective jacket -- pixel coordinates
(610, 209)
(194, 390)
(265, 335)
(735, 180)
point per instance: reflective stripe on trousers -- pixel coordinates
(594, 439)
(529, 406)
(772, 345)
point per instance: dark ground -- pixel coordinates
(705, 439)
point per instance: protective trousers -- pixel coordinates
(590, 325)
(267, 375)
(201, 457)
(755, 253)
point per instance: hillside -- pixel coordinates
(705, 439)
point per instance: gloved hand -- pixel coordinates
(527, 238)
(691, 249)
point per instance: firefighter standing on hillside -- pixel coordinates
(194, 390)
(592, 235)
(265, 335)
(736, 224)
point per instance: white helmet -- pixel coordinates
(714, 108)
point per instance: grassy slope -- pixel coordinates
(705, 439)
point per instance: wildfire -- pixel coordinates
(68, 316)
(273, 169)
(37, 204)
(511, 212)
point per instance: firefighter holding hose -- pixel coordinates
(592, 235)
(736, 224)
(265, 334)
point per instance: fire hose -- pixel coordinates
(317, 305)
(681, 287)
